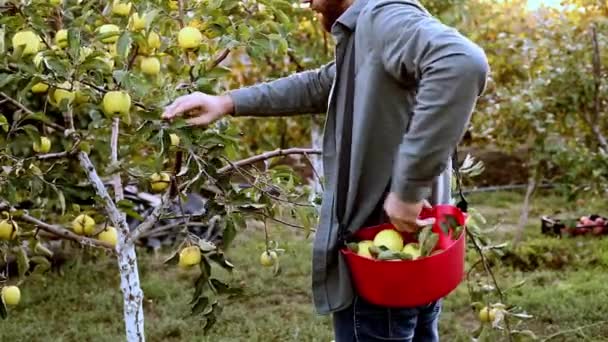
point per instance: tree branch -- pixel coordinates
(64, 233)
(118, 191)
(267, 155)
(220, 58)
(116, 217)
(29, 112)
(54, 229)
(597, 74)
(152, 218)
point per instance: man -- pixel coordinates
(398, 98)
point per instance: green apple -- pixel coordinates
(389, 238)
(363, 248)
(412, 249)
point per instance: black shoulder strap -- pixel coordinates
(462, 203)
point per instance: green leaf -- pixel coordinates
(229, 233)
(219, 259)
(353, 247)
(3, 122)
(429, 244)
(124, 44)
(199, 286)
(3, 312)
(211, 316)
(2, 47)
(6, 79)
(200, 305)
(223, 288)
(173, 259)
(23, 263)
(453, 223)
(423, 234)
(74, 43)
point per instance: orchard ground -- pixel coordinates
(564, 289)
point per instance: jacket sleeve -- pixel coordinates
(301, 93)
(450, 73)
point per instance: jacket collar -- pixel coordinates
(350, 16)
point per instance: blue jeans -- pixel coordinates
(366, 322)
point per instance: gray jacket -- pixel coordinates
(409, 85)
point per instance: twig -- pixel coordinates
(577, 329)
(489, 271)
(266, 192)
(29, 112)
(220, 58)
(523, 218)
(267, 155)
(180, 11)
(295, 61)
(285, 223)
(152, 218)
(314, 171)
(156, 231)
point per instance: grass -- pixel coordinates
(84, 303)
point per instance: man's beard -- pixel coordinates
(330, 12)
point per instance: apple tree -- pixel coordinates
(82, 87)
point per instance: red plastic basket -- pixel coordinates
(409, 283)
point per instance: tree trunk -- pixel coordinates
(127, 259)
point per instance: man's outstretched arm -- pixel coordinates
(305, 92)
(301, 93)
(451, 74)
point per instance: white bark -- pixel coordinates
(317, 160)
(127, 259)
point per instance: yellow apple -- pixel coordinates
(116, 103)
(44, 146)
(121, 8)
(40, 87)
(363, 248)
(153, 40)
(487, 315)
(83, 225)
(109, 28)
(63, 93)
(136, 22)
(268, 258)
(31, 41)
(173, 5)
(11, 295)
(412, 249)
(160, 182)
(150, 66)
(61, 38)
(55, 2)
(174, 139)
(189, 256)
(389, 238)
(8, 230)
(109, 235)
(189, 38)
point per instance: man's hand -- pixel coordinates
(203, 108)
(405, 215)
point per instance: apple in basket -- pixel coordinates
(388, 244)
